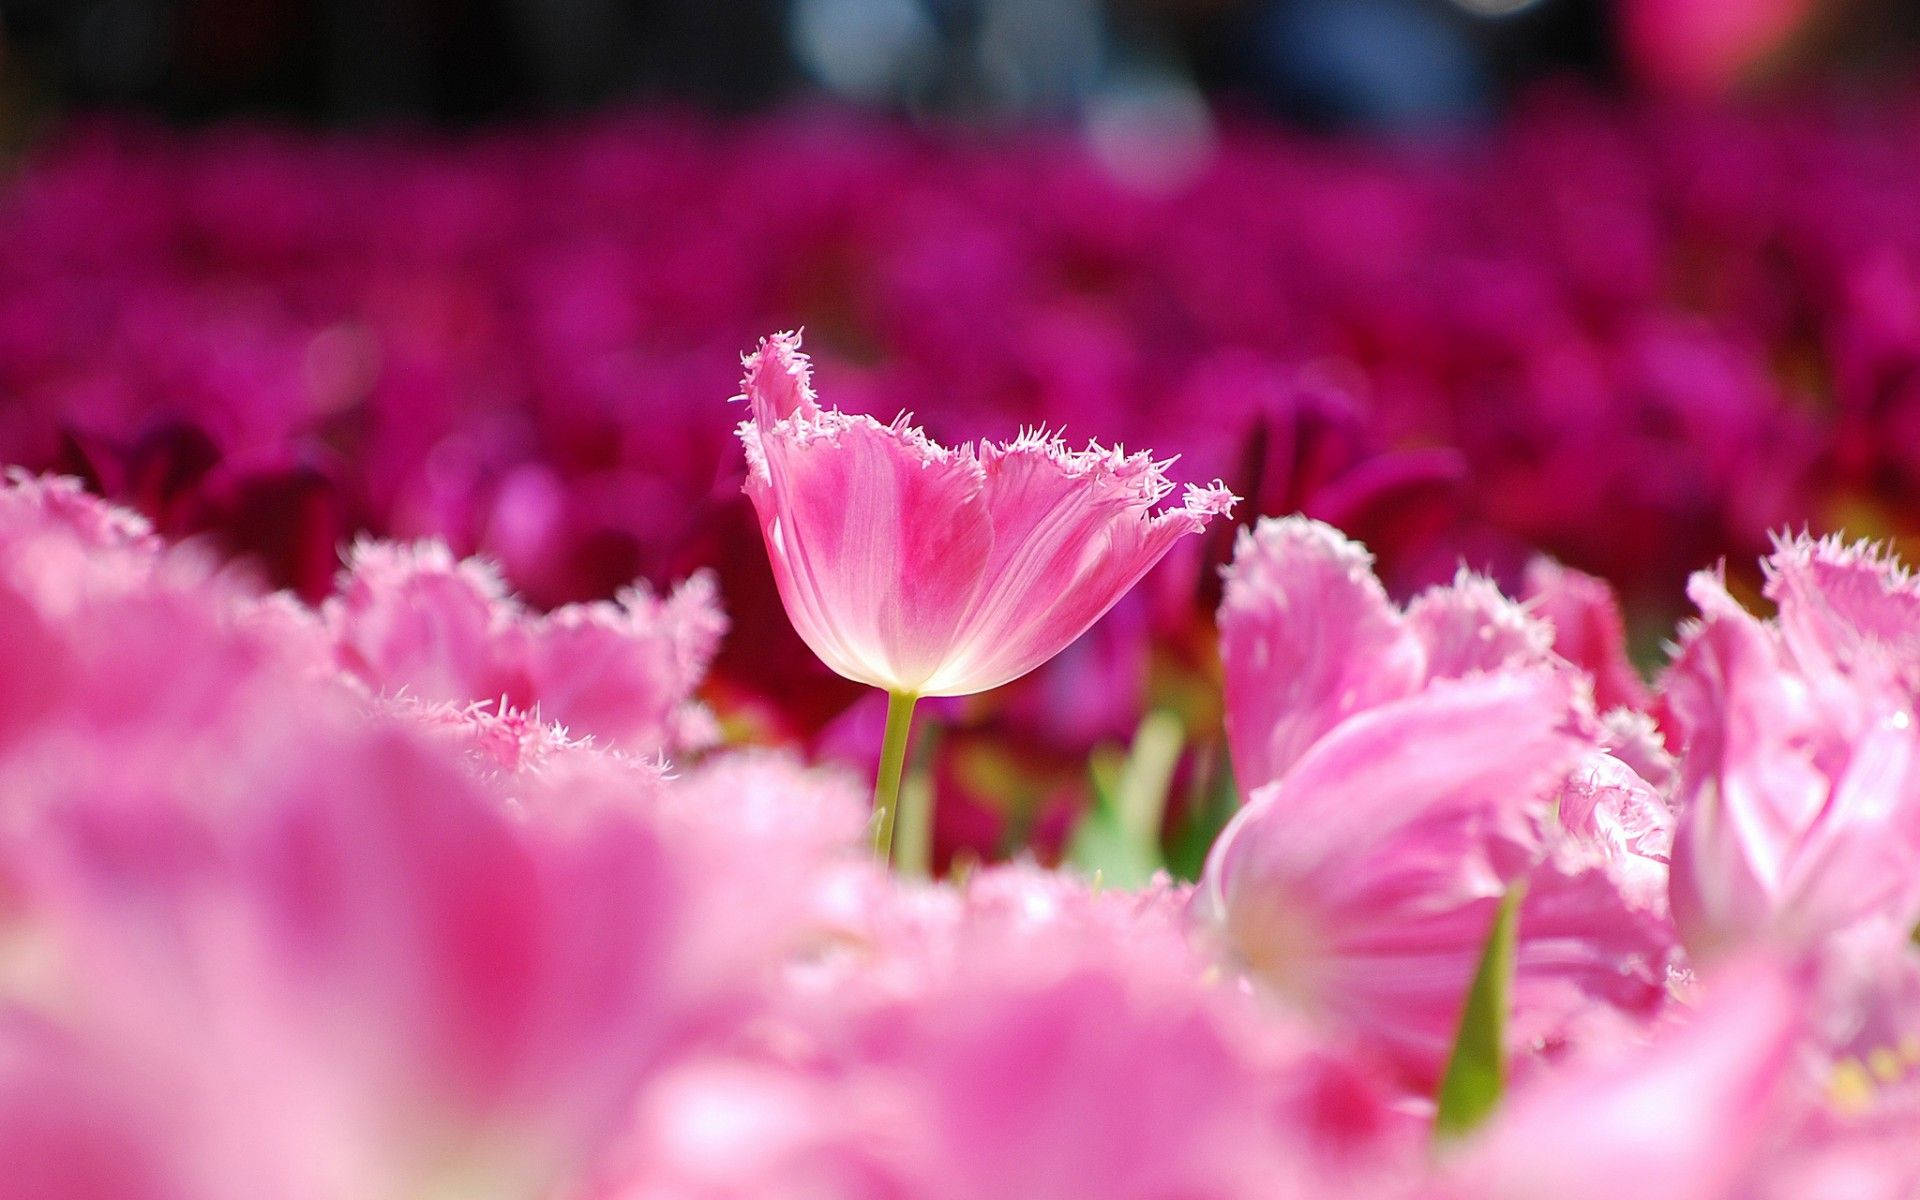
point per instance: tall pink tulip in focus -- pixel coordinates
(929, 571)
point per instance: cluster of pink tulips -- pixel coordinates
(1636, 339)
(417, 891)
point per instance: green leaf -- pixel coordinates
(1119, 837)
(1477, 1069)
(1101, 849)
(1211, 802)
(1141, 799)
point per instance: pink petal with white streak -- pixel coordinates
(1308, 638)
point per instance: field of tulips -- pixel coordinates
(486, 716)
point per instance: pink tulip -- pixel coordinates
(1362, 883)
(1849, 610)
(1800, 765)
(266, 934)
(1467, 757)
(928, 571)
(409, 618)
(1309, 638)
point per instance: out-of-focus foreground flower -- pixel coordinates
(277, 923)
(1800, 782)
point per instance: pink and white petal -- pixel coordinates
(1076, 563)
(625, 671)
(878, 540)
(412, 619)
(1052, 510)
(1587, 943)
(1749, 785)
(1363, 881)
(45, 503)
(1861, 859)
(1412, 786)
(1634, 737)
(1849, 608)
(1400, 986)
(1469, 626)
(1607, 811)
(1308, 638)
(779, 381)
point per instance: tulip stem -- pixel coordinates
(893, 760)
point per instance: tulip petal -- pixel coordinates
(1308, 638)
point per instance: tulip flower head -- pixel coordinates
(1403, 769)
(1800, 780)
(930, 571)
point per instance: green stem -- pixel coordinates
(912, 828)
(893, 760)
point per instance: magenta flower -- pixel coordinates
(929, 571)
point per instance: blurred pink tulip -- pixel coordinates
(410, 619)
(1022, 1035)
(268, 934)
(1799, 790)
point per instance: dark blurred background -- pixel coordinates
(1392, 63)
